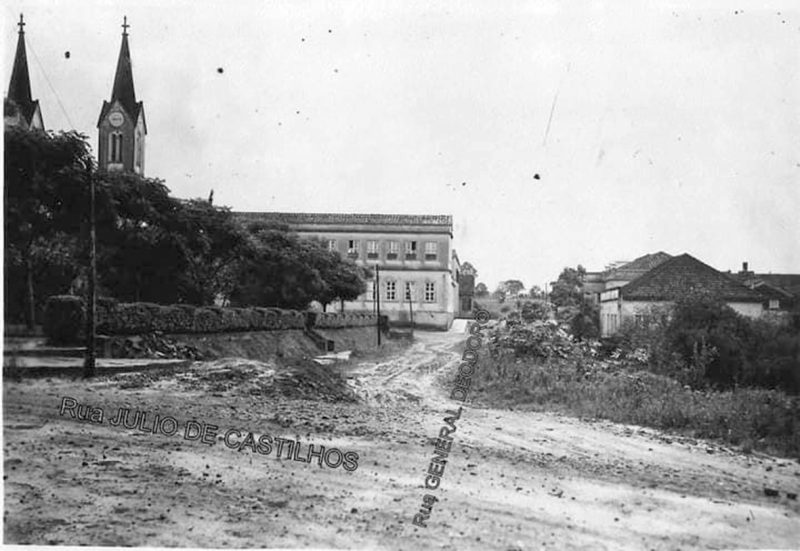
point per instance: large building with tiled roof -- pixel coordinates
(20, 109)
(620, 273)
(418, 267)
(667, 282)
(121, 125)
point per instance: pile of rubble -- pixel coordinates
(300, 380)
(152, 345)
(539, 339)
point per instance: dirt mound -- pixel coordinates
(236, 376)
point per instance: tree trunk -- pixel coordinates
(31, 297)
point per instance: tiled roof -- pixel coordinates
(787, 282)
(637, 267)
(684, 273)
(329, 218)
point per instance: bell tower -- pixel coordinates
(121, 125)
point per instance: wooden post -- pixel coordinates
(410, 309)
(378, 300)
(89, 359)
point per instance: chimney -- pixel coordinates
(744, 266)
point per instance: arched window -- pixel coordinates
(115, 147)
(137, 152)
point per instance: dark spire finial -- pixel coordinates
(125, 25)
(21, 24)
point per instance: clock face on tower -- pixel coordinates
(116, 118)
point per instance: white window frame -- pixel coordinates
(411, 250)
(372, 249)
(390, 290)
(430, 291)
(431, 250)
(394, 250)
(352, 247)
(332, 245)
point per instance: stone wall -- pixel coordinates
(66, 317)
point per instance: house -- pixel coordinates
(667, 281)
(618, 274)
(781, 292)
(418, 267)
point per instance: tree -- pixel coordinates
(344, 279)
(481, 290)
(535, 292)
(468, 268)
(511, 287)
(41, 169)
(211, 244)
(583, 316)
(568, 289)
(286, 271)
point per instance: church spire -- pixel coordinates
(122, 127)
(19, 89)
(123, 90)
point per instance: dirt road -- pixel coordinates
(513, 480)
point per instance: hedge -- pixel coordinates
(65, 318)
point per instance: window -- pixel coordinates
(638, 320)
(394, 250)
(411, 250)
(371, 290)
(137, 155)
(774, 304)
(431, 250)
(391, 290)
(331, 244)
(372, 249)
(430, 292)
(115, 147)
(352, 248)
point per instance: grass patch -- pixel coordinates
(751, 418)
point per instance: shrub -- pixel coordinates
(65, 319)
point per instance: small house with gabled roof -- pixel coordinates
(665, 283)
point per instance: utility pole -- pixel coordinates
(410, 309)
(378, 299)
(91, 310)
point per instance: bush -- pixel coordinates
(65, 319)
(763, 419)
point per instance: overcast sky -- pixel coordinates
(673, 128)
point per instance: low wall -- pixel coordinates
(65, 319)
(283, 343)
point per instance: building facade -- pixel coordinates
(417, 266)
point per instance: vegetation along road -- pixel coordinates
(513, 480)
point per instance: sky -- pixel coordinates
(555, 133)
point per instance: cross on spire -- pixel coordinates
(125, 24)
(21, 24)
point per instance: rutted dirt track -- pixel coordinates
(514, 480)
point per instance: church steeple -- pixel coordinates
(121, 125)
(28, 114)
(123, 79)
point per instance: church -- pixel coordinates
(121, 125)
(420, 274)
